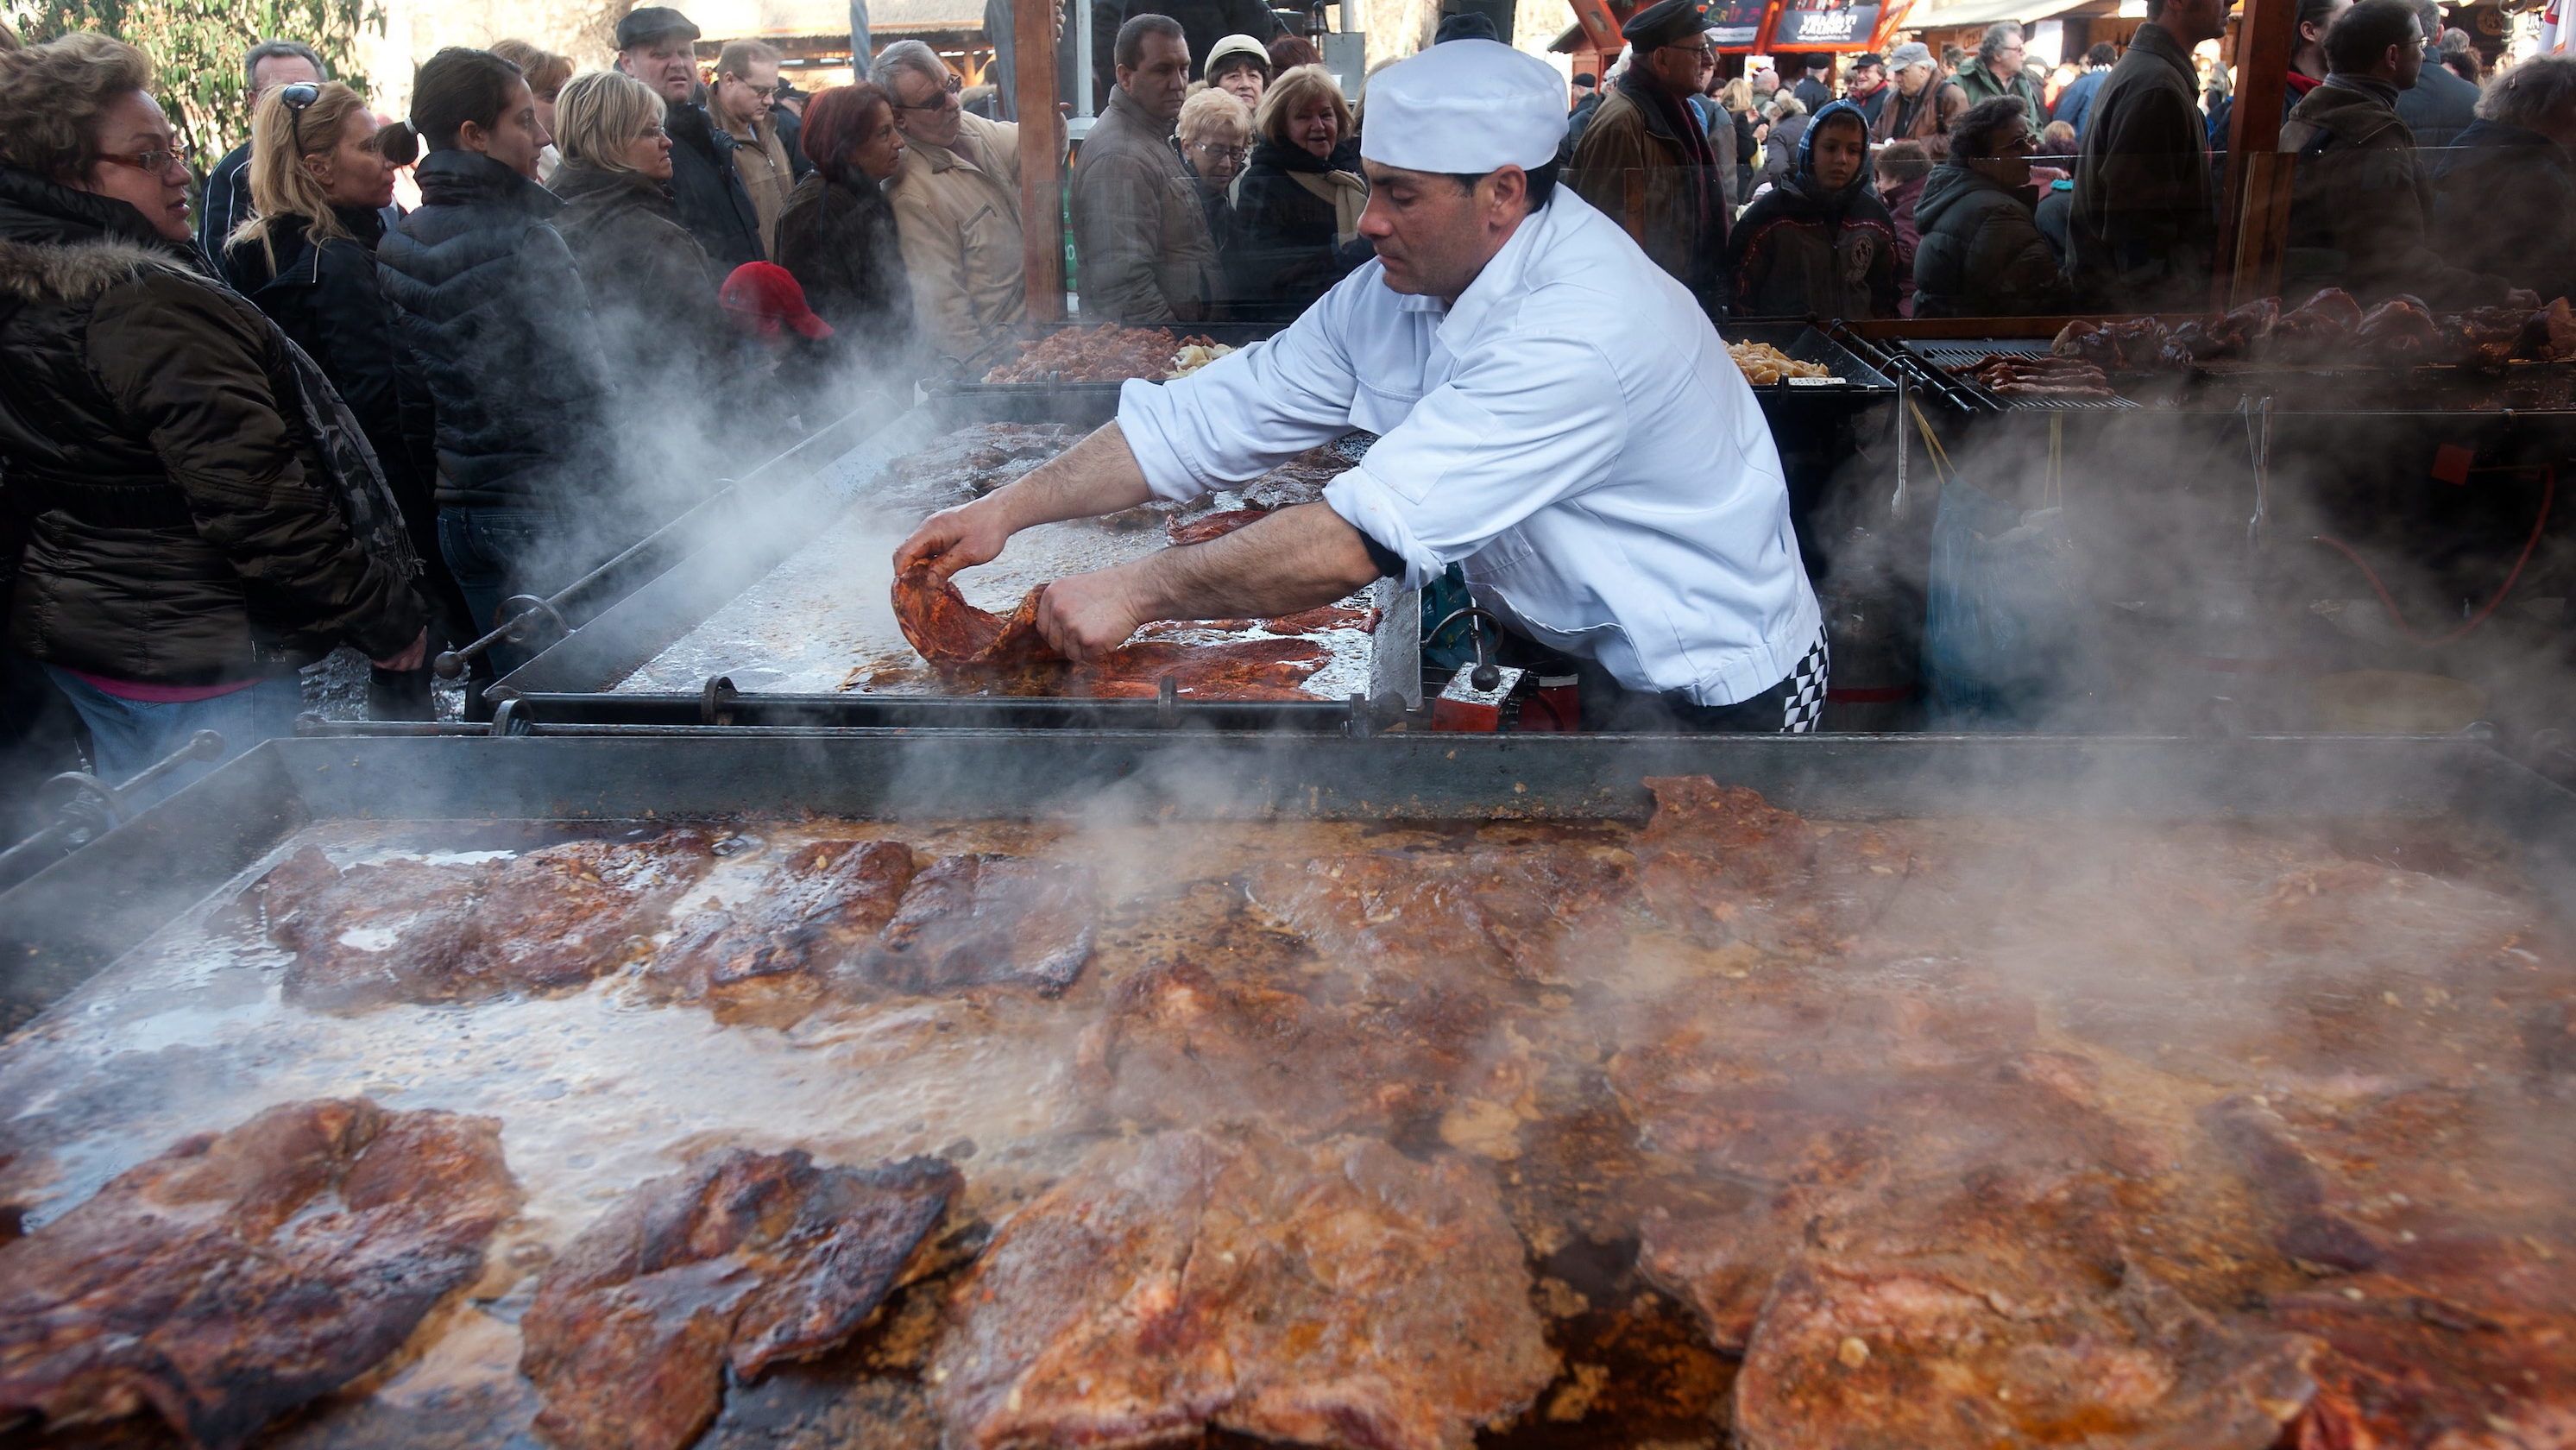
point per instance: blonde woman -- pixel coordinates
(1214, 133)
(1298, 202)
(319, 187)
(650, 283)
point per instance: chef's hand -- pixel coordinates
(1088, 615)
(410, 656)
(954, 539)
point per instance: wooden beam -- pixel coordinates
(2265, 36)
(1600, 25)
(1033, 42)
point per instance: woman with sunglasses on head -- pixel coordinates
(319, 186)
(190, 516)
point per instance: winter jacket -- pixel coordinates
(2222, 116)
(1801, 250)
(650, 284)
(2504, 201)
(767, 176)
(225, 202)
(1926, 117)
(2359, 204)
(1140, 237)
(2144, 226)
(1870, 105)
(1635, 170)
(1900, 201)
(837, 239)
(2438, 107)
(708, 189)
(1981, 253)
(1813, 94)
(791, 139)
(957, 216)
(2076, 101)
(1296, 221)
(1980, 85)
(487, 296)
(1780, 149)
(172, 507)
(326, 298)
(1203, 24)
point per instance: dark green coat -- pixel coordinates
(2358, 206)
(2144, 226)
(168, 502)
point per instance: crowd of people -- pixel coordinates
(1984, 183)
(289, 416)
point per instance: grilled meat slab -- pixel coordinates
(411, 931)
(1968, 1354)
(954, 635)
(979, 920)
(243, 1274)
(769, 956)
(739, 1261)
(1725, 867)
(1339, 1294)
(1529, 913)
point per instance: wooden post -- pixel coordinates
(1041, 157)
(2247, 248)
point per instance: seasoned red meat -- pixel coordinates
(1968, 1354)
(768, 957)
(1338, 1294)
(1252, 669)
(2482, 1362)
(983, 920)
(243, 1274)
(739, 1261)
(1528, 912)
(949, 632)
(1321, 618)
(1724, 866)
(1103, 354)
(1212, 526)
(411, 931)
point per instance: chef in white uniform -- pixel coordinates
(1557, 416)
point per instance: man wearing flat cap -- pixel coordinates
(1611, 493)
(658, 46)
(1644, 158)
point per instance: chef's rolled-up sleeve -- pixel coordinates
(1242, 415)
(1504, 438)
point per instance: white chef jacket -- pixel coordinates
(1572, 432)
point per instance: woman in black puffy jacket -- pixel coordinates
(487, 296)
(190, 515)
(320, 185)
(836, 236)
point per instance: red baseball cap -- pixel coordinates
(764, 297)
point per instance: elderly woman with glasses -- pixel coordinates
(1214, 134)
(1298, 202)
(190, 517)
(1981, 252)
(320, 185)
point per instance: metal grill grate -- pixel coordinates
(1951, 354)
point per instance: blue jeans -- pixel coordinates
(127, 736)
(490, 551)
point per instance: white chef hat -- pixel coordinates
(1464, 107)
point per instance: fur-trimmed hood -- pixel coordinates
(63, 246)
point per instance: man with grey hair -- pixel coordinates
(1138, 230)
(956, 199)
(1997, 72)
(2440, 105)
(265, 66)
(2504, 197)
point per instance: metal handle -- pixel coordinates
(1486, 675)
(89, 808)
(521, 613)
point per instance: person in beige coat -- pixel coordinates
(956, 204)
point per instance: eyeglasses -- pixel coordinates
(947, 97)
(156, 163)
(1215, 149)
(296, 97)
(651, 133)
(1703, 50)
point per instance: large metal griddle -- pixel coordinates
(576, 678)
(79, 915)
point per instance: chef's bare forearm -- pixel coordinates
(1295, 559)
(1099, 475)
